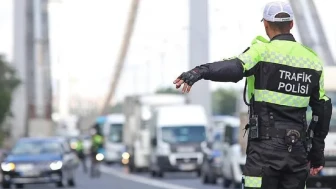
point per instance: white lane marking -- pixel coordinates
(140, 179)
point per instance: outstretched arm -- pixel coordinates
(229, 70)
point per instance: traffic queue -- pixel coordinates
(215, 153)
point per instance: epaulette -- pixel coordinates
(259, 39)
(234, 57)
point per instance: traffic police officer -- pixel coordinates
(97, 140)
(283, 79)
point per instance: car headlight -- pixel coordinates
(125, 155)
(7, 166)
(99, 157)
(56, 165)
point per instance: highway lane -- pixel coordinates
(115, 177)
(180, 180)
(106, 181)
(185, 179)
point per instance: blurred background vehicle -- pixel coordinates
(213, 160)
(39, 160)
(113, 134)
(176, 140)
(136, 131)
(233, 157)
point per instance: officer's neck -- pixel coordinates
(272, 34)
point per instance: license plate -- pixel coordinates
(30, 173)
(329, 171)
(187, 167)
(25, 167)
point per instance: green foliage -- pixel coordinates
(117, 108)
(224, 102)
(168, 90)
(8, 83)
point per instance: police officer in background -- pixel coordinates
(283, 79)
(97, 140)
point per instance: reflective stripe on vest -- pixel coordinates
(252, 182)
(98, 139)
(281, 98)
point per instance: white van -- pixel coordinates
(233, 157)
(177, 132)
(112, 130)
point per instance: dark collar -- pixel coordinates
(286, 37)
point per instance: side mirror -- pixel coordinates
(153, 142)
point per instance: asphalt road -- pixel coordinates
(115, 177)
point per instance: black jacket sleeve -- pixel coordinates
(224, 71)
(232, 70)
(322, 108)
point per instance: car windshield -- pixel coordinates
(331, 95)
(115, 133)
(36, 147)
(183, 134)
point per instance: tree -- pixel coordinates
(117, 108)
(224, 101)
(8, 82)
(168, 90)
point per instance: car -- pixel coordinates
(39, 160)
(233, 157)
(212, 162)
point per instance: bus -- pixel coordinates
(113, 133)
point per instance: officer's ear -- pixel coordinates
(266, 24)
(291, 25)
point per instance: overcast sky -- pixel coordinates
(86, 35)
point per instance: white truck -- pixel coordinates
(327, 176)
(136, 135)
(177, 132)
(68, 126)
(112, 129)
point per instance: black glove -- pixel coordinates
(191, 76)
(316, 155)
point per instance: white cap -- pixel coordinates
(272, 9)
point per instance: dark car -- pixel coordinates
(39, 160)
